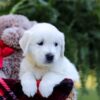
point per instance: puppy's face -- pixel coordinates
(46, 48)
(45, 44)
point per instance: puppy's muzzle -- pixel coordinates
(49, 57)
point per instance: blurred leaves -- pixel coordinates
(78, 19)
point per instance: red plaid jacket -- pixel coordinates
(11, 90)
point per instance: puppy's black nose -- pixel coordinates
(49, 57)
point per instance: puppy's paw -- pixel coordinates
(29, 88)
(45, 89)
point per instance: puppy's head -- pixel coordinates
(44, 42)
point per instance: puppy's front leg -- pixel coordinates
(48, 83)
(28, 83)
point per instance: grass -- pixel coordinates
(91, 95)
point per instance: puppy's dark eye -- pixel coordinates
(56, 44)
(7, 26)
(40, 43)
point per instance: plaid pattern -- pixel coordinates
(11, 90)
(5, 90)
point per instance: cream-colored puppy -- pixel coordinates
(43, 50)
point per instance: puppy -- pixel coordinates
(43, 50)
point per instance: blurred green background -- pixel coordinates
(80, 21)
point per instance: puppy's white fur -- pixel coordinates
(36, 43)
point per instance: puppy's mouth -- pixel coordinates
(48, 62)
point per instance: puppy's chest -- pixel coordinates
(39, 73)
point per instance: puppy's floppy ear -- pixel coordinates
(24, 42)
(62, 44)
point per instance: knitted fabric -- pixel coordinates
(10, 59)
(12, 27)
(10, 20)
(4, 51)
(11, 65)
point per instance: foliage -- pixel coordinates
(78, 19)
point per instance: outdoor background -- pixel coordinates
(80, 21)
